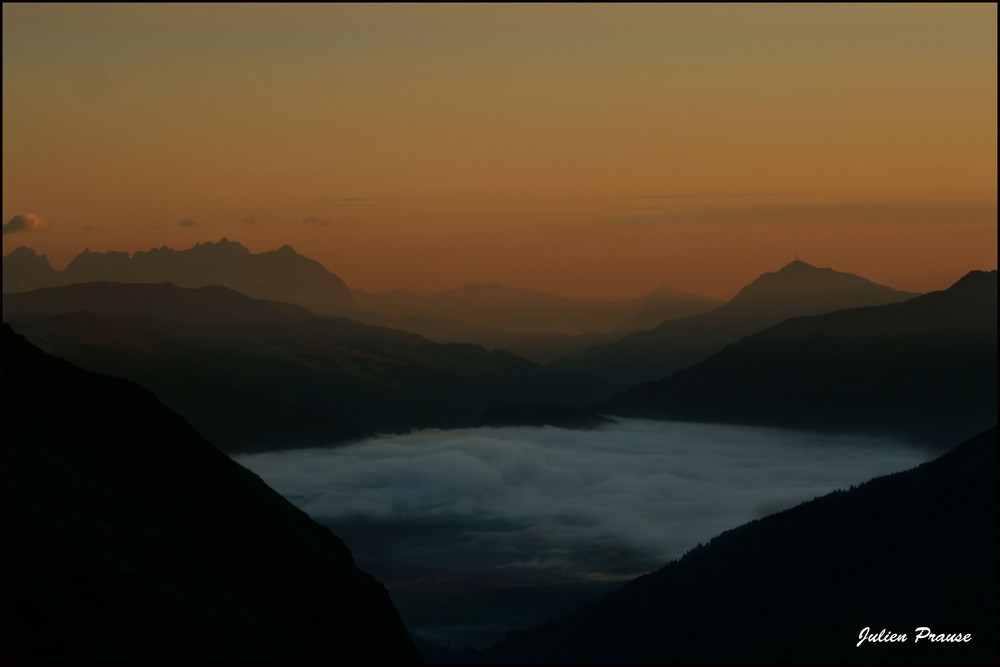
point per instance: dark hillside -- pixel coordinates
(128, 538)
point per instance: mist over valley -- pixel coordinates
(455, 523)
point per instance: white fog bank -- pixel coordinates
(657, 488)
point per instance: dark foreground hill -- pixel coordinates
(797, 289)
(909, 550)
(926, 368)
(254, 375)
(279, 275)
(128, 538)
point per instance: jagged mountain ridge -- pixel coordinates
(795, 290)
(128, 538)
(255, 375)
(279, 275)
(926, 367)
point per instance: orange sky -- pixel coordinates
(590, 150)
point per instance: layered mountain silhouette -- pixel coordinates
(541, 347)
(130, 539)
(280, 275)
(797, 289)
(255, 375)
(926, 367)
(508, 309)
(534, 325)
(909, 550)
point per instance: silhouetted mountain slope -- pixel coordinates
(510, 309)
(541, 347)
(926, 367)
(280, 275)
(255, 375)
(128, 538)
(797, 289)
(914, 549)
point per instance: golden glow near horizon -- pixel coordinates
(588, 150)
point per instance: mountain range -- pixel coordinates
(279, 275)
(253, 374)
(130, 539)
(795, 290)
(925, 367)
(508, 309)
(537, 326)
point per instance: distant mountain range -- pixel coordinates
(797, 289)
(255, 375)
(534, 325)
(926, 367)
(510, 310)
(279, 275)
(129, 539)
(910, 550)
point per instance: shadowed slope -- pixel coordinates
(256, 375)
(128, 538)
(926, 367)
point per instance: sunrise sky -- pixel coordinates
(590, 150)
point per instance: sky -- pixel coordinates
(585, 150)
(465, 515)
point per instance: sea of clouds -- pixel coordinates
(466, 512)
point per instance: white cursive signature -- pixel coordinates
(922, 632)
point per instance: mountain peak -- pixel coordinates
(22, 252)
(797, 266)
(23, 269)
(798, 288)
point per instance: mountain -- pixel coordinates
(280, 275)
(541, 347)
(24, 269)
(508, 309)
(909, 550)
(662, 304)
(129, 539)
(797, 289)
(926, 367)
(255, 375)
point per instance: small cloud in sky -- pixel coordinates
(25, 222)
(190, 222)
(255, 219)
(317, 221)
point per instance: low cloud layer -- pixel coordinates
(655, 487)
(468, 516)
(25, 222)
